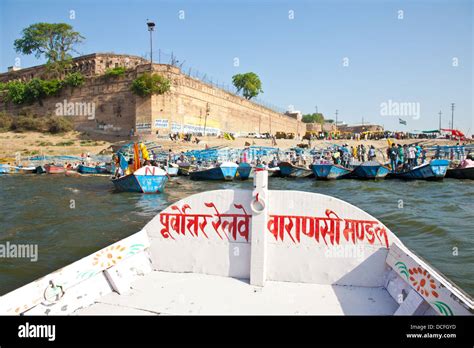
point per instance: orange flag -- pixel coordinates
(136, 164)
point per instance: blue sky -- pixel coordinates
(300, 60)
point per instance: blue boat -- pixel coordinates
(83, 169)
(329, 171)
(434, 170)
(225, 171)
(147, 179)
(244, 170)
(370, 170)
(289, 170)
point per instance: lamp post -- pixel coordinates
(208, 109)
(151, 28)
(452, 115)
(440, 113)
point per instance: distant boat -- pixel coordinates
(25, 169)
(225, 171)
(329, 171)
(4, 168)
(9, 169)
(147, 179)
(370, 170)
(244, 170)
(460, 173)
(434, 170)
(289, 170)
(52, 169)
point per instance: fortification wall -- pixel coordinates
(188, 107)
(100, 105)
(192, 104)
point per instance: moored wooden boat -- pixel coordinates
(9, 169)
(188, 251)
(85, 169)
(184, 168)
(147, 179)
(289, 170)
(329, 171)
(244, 170)
(460, 173)
(225, 171)
(53, 169)
(370, 170)
(434, 170)
(4, 168)
(172, 170)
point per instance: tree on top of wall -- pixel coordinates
(54, 41)
(249, 83)
(313, 118)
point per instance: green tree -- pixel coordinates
(147, 84)
(54, 41)
(249, 83)
(313, 118)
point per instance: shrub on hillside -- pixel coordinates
(28, 123)
(33, 90)
(59, 124)
(5, 121)
(15, 92)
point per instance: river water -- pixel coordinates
(69, 218)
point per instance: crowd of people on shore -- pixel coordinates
(405, 157)
(346, 156)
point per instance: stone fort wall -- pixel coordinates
(190, 105)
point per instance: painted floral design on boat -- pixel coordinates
(109, 256)
(423, 282)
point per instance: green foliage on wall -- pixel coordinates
(114, 72)
(75, 79)
(147, 84)
(19, 92)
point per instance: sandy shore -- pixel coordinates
(75, 143)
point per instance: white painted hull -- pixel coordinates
(271, 252)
